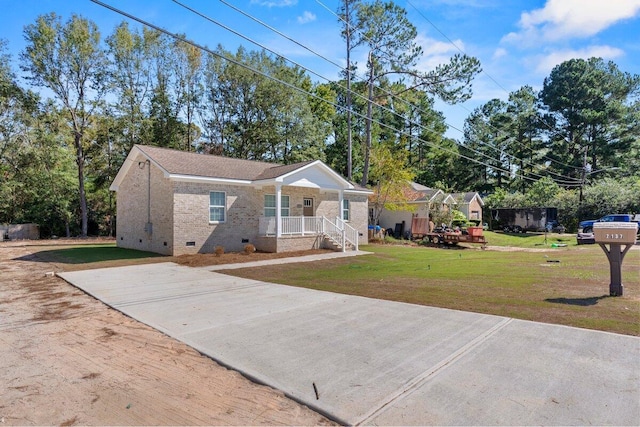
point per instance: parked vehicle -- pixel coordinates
(587, 226)
(585, 238)
(521, 220)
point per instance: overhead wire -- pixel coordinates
(522, 161)
(484, 72)
(311, 71)
(289, 60)
(235, 62)
(287, 84)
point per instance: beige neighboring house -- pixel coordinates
(424, 200)
(421, 198)
(174, 202)
(470, 204)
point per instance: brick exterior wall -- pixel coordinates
(359, 206)
(179, 214)
(472, 207)
(191, 213)
(133, 210)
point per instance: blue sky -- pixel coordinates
(517, 41)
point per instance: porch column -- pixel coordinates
(278, 210)
(340, 204)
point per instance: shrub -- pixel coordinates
(249, 248)
(219, 250)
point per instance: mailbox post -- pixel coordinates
(616, 235)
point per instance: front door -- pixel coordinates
(307, 206)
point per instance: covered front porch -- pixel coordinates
(287, 233)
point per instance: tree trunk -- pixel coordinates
(81, 192)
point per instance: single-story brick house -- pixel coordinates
(175, 202)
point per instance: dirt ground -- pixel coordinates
(67, 359)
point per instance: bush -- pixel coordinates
(249, 248)
(219, 250)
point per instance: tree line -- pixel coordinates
(60, 147)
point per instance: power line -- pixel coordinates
(483, 71)
(384, 90)
(281, 34)
(522, 161)
(289, 85)
(342, 69)
(305, 68)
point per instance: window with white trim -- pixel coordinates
(345, 210)
(217, 206)
(270, 205)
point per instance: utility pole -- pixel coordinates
(348, 34)
(584, 174)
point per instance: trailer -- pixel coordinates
(453, 238)
(521, 220)
(420, 229)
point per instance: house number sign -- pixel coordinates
(614, 236)
(620, 237)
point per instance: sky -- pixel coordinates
(518, 42)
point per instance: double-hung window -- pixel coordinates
(270, 205)
(345, 210)
(217, 206)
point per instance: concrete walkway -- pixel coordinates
(380, 362)
(287, 260)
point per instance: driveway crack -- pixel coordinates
(419, 380)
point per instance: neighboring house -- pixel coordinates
(424, 201)
(174, 202)
(470, 204)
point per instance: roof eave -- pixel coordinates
(208, 179)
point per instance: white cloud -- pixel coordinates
(562, 19)
(543, 64)
(275, 3)
(499, 53)
(436, 47)
(306, 17)
(436, 52)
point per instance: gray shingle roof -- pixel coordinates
(421, 193)
(203, 165)
(465, 197)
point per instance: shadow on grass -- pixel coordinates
(584, 302)
(87, 254)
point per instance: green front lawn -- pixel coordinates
(565, 285)
(90, 253)
(529, 240)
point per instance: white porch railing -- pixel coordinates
(350, 233)
(340, 231)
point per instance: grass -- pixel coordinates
(567, 285)
(92, 253)
(528, 279)
(529, 240)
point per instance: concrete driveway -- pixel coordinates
(379, 362)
